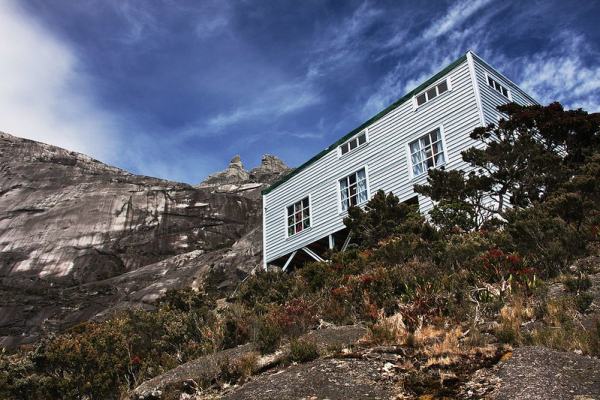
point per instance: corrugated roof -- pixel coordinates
(373, 119)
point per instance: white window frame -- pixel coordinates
(339, 191)
(310, 217)
(414, 99)
(499, 81)
(359, 146)
(414, 138)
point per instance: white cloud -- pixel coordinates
(562, 74)
(456, 15)
(279, 101)
(44, 94)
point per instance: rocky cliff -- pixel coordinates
(79, 238)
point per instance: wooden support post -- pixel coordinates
(347, 242)
(289, 260)
(312, 254)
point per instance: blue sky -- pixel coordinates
(174, 89)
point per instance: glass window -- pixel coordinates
(497, 86)
(427, 152)
(353, 143)
(433, 92)
(298, 217)
(442, 87)
(353, 189)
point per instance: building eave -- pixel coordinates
(367, 123)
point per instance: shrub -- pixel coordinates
(302, 350)
(268, 335)
(577, 284)
(388, 330)
(238, 369)
(583, 301)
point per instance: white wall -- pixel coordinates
(385, 156)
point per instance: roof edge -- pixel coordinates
(365, 124)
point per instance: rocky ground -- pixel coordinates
(79, 238)
(525, 373)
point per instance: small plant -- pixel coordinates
(302, 350)
(238, 369)
(583, 301)
(578, 284)
(268, 336)
(390, 330)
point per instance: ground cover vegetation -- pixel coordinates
(506, 258)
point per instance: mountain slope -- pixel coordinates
(79, 238)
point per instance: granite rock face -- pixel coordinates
(79, 238)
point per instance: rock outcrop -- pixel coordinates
(79, 238)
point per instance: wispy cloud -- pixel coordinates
(45, 97)
(562, 74)
(276, 102)
(455, 16)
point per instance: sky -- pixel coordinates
(175, 89)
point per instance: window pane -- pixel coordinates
(421, 99)
(416, 158)
(442, 87)
(352, 180)
(361, 174)
(353, 144)
(431, 93)
(414, 146)
(298, 227)
(306, 223)
(344, 148)
(439, 159)
(290, 210)
(490, 81)
(352, 190)
(305, 202)
(435, 135)
(362, 138)
(505, 92)
(417, 169)
(362, 190)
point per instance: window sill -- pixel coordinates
(361, 205)
(355, 150)
(425, 174)
(417, 108)
(299, 234)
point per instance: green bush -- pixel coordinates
(268, 336)
(302, 350)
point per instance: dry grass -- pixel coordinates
(388, 330)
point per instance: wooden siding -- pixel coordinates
(385, 157)
(490, 98)
(457, 112)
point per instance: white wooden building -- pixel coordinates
(427, 128)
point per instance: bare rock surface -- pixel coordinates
(342, 379)
(541, 373)
(538, 373)
(79, 238)
(206, 369)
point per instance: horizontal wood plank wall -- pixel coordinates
(385, 157)
(490, 98)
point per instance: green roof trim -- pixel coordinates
(373, 119)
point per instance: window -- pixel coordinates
(353, 143)
(499, 88)
(427, 152)
(298, 217)
(353, 189)
(432, 93)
